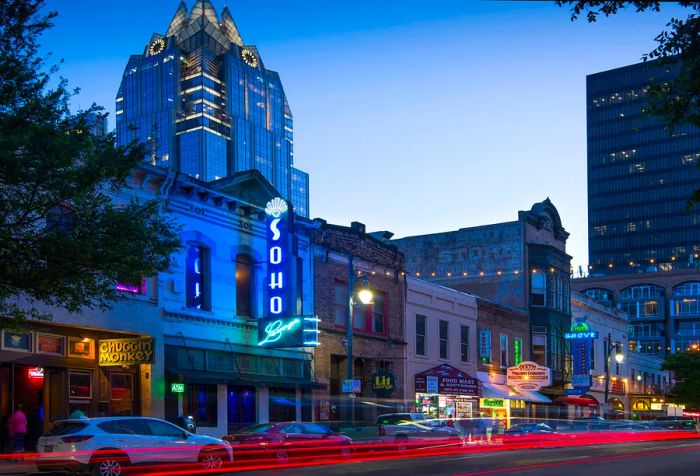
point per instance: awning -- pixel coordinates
(532, 396)
(578, 401)
(226, 378)
(495, 390)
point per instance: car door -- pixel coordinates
(131, 436)
(173, 442)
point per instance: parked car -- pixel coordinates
(282, 441)
(674, 423)
(412, 425)
(530, 432)
(106, 446)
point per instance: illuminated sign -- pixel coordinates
(528, 376)
(279, 279)
(177, 387)
(518, 344)
(36, 372)
(581, 335)
(295, 331)
(485, 345)
(383, 383)
(492, 403)
(115, 352)
(277, 329)
(193, 277)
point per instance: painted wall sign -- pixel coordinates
(528, 376)
(450, 381)
(383, 383)
(126, 351)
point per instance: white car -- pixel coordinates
(106, 446)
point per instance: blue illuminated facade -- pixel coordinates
(204, 104)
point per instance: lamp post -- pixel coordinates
(365, 296)
(609, 347)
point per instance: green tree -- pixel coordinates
(63, 241)
(678, 101)
(686, 368)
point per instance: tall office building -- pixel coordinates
(640, 177)
(643, 242)
(204, 104)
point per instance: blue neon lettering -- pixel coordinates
(276, 280)
(276, 305)
(276, 255)
(276, 329)
(275, 231)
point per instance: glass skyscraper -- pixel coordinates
(640, 177)
(204, 104)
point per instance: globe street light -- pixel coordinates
(365, 296)
(619, 358)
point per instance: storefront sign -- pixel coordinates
(279, 279)
(193, 277)
(518, 347)
(17, 341)
(450, 381)
(581, 337)
(485, 345)
(50, 344)
(126, 351)
(431, 384)
(177, 387)
(35, 373)
(492, 403)
(528, 376)
(383, 383)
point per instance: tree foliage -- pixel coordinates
(686, 368)
(64, 242)
(678, 101)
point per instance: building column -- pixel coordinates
(262, 404)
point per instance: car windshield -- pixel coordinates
(262, 428)
(62, 428)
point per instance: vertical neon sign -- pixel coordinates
(193, 276)
(278, 281)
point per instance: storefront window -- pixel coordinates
(80, 385)
(122, 394)
(282, 405)
(201, 404)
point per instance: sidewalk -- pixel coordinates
(17, 467)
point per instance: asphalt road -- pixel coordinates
(633, 459)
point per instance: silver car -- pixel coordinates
(106, 446)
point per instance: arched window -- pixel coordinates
(244, 285)
(538, 288)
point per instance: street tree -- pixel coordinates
(686, 369)
(676, 102)
(64, 241)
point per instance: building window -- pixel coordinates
(420, 334)
(202, 404)
(538, 288)
(444, 329)
(121, 394)
(197, 277)
(340, 307)
(378, 310)
(504, 350)
(244, 285)
(80, 384)
(539, 349)
(464, 343)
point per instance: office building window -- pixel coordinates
(244, 285)
(443, 330)
(420, 334)
(504, 350)
(464, 343)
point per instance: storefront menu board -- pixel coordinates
(450, 381)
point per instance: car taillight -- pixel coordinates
(76, 439)
(382, 431)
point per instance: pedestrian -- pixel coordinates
(17, 427)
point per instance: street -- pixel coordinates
(638, 459)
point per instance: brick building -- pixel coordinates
(379, 346)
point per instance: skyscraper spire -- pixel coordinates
(229, 27)
(181, 19)
(203, 11)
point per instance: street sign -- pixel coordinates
(352, 386)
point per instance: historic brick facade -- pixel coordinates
(502, 320)
(378, 330)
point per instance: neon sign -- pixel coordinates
(277, 239)
(36, 372)
(276, 329)
(193, 277)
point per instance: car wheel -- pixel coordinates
(211, 459)
(282, 457)
(109, 465)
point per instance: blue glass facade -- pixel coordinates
(204, 104)
(640, 177)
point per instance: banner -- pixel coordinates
(529, 376)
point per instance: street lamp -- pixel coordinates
(364, 294)
(609, 347)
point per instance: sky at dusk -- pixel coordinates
(410, 116)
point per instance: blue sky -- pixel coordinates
(410, 116)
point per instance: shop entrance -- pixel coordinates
(241, 406)
(23, 385)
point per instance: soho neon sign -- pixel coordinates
(277, 244)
